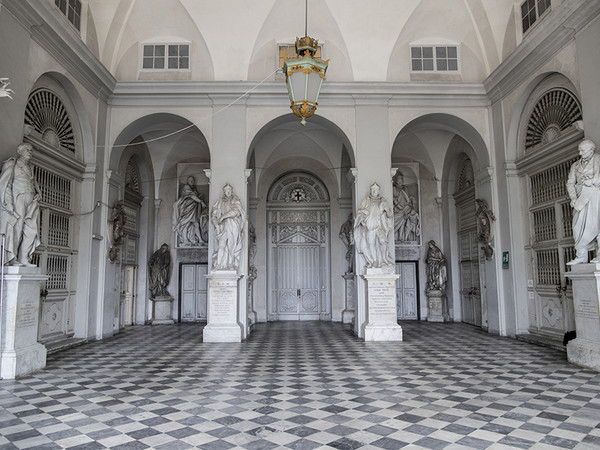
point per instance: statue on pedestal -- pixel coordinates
(190, 218)
(160, 271)
(347, 237)
(228, 217)
(437, 274)
(372, 228)
(19, 207)
(583, 187)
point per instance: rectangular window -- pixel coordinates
(531, 10)
(166, 56)
(72, 11)
(289, 51)
(439, 58)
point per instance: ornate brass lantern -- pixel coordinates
(304, 76)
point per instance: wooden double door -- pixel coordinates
(298, 287)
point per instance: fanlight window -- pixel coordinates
(556, 111)
(47, 114)
(466, 177)
(132, 178)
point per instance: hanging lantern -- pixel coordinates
(304, 76)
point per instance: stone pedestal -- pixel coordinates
(21, 352)
(585, 350)
(436, 301)
(223, 304)
(348, 313)
(381, 322)
(161, 310)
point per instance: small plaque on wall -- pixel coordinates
(412, 253)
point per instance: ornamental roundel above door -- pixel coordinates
(298, 188)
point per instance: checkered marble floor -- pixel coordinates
(303, 385)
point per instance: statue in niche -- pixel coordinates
(485, 227)
(372, 228)
(228, 217)
(437, 273)
(583, 187)
(347, 237)
(407, 223)
(19, 208)
(116, 222)
(160, 271)
(190, 216)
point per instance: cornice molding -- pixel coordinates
(539, 45)
(211, 93)
(56, 36)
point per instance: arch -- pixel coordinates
(153, 127)
(291, 124)
(541, 83)
(457, 126)
(73, 102)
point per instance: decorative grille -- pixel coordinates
(567, 219)
(556, 111)
(548, 269)
(466, 177)
(56, 189)
(132, 177)
(48, 116)
(57, 270)
(550, 184)
(544, 224)
(58, 229)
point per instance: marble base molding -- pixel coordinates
(21, 352)
(436, 302)
(223, 305)
(161, 310)
(381, 322)
(348, 313)
(585, 349)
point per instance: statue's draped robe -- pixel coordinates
(586, 201)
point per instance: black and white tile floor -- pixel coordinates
(303, 385)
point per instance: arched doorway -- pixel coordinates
(547, 147)
(298, 250)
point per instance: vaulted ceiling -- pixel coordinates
(235, 40)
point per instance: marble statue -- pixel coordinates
(373, 226)
(485, 227)
(347, 237)
(407, 226)
(5, 91)
(160, 271)
(228, 217)
(437, 273)
(583, 187)
(117, 221)
(190, 218)
(19, 207)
